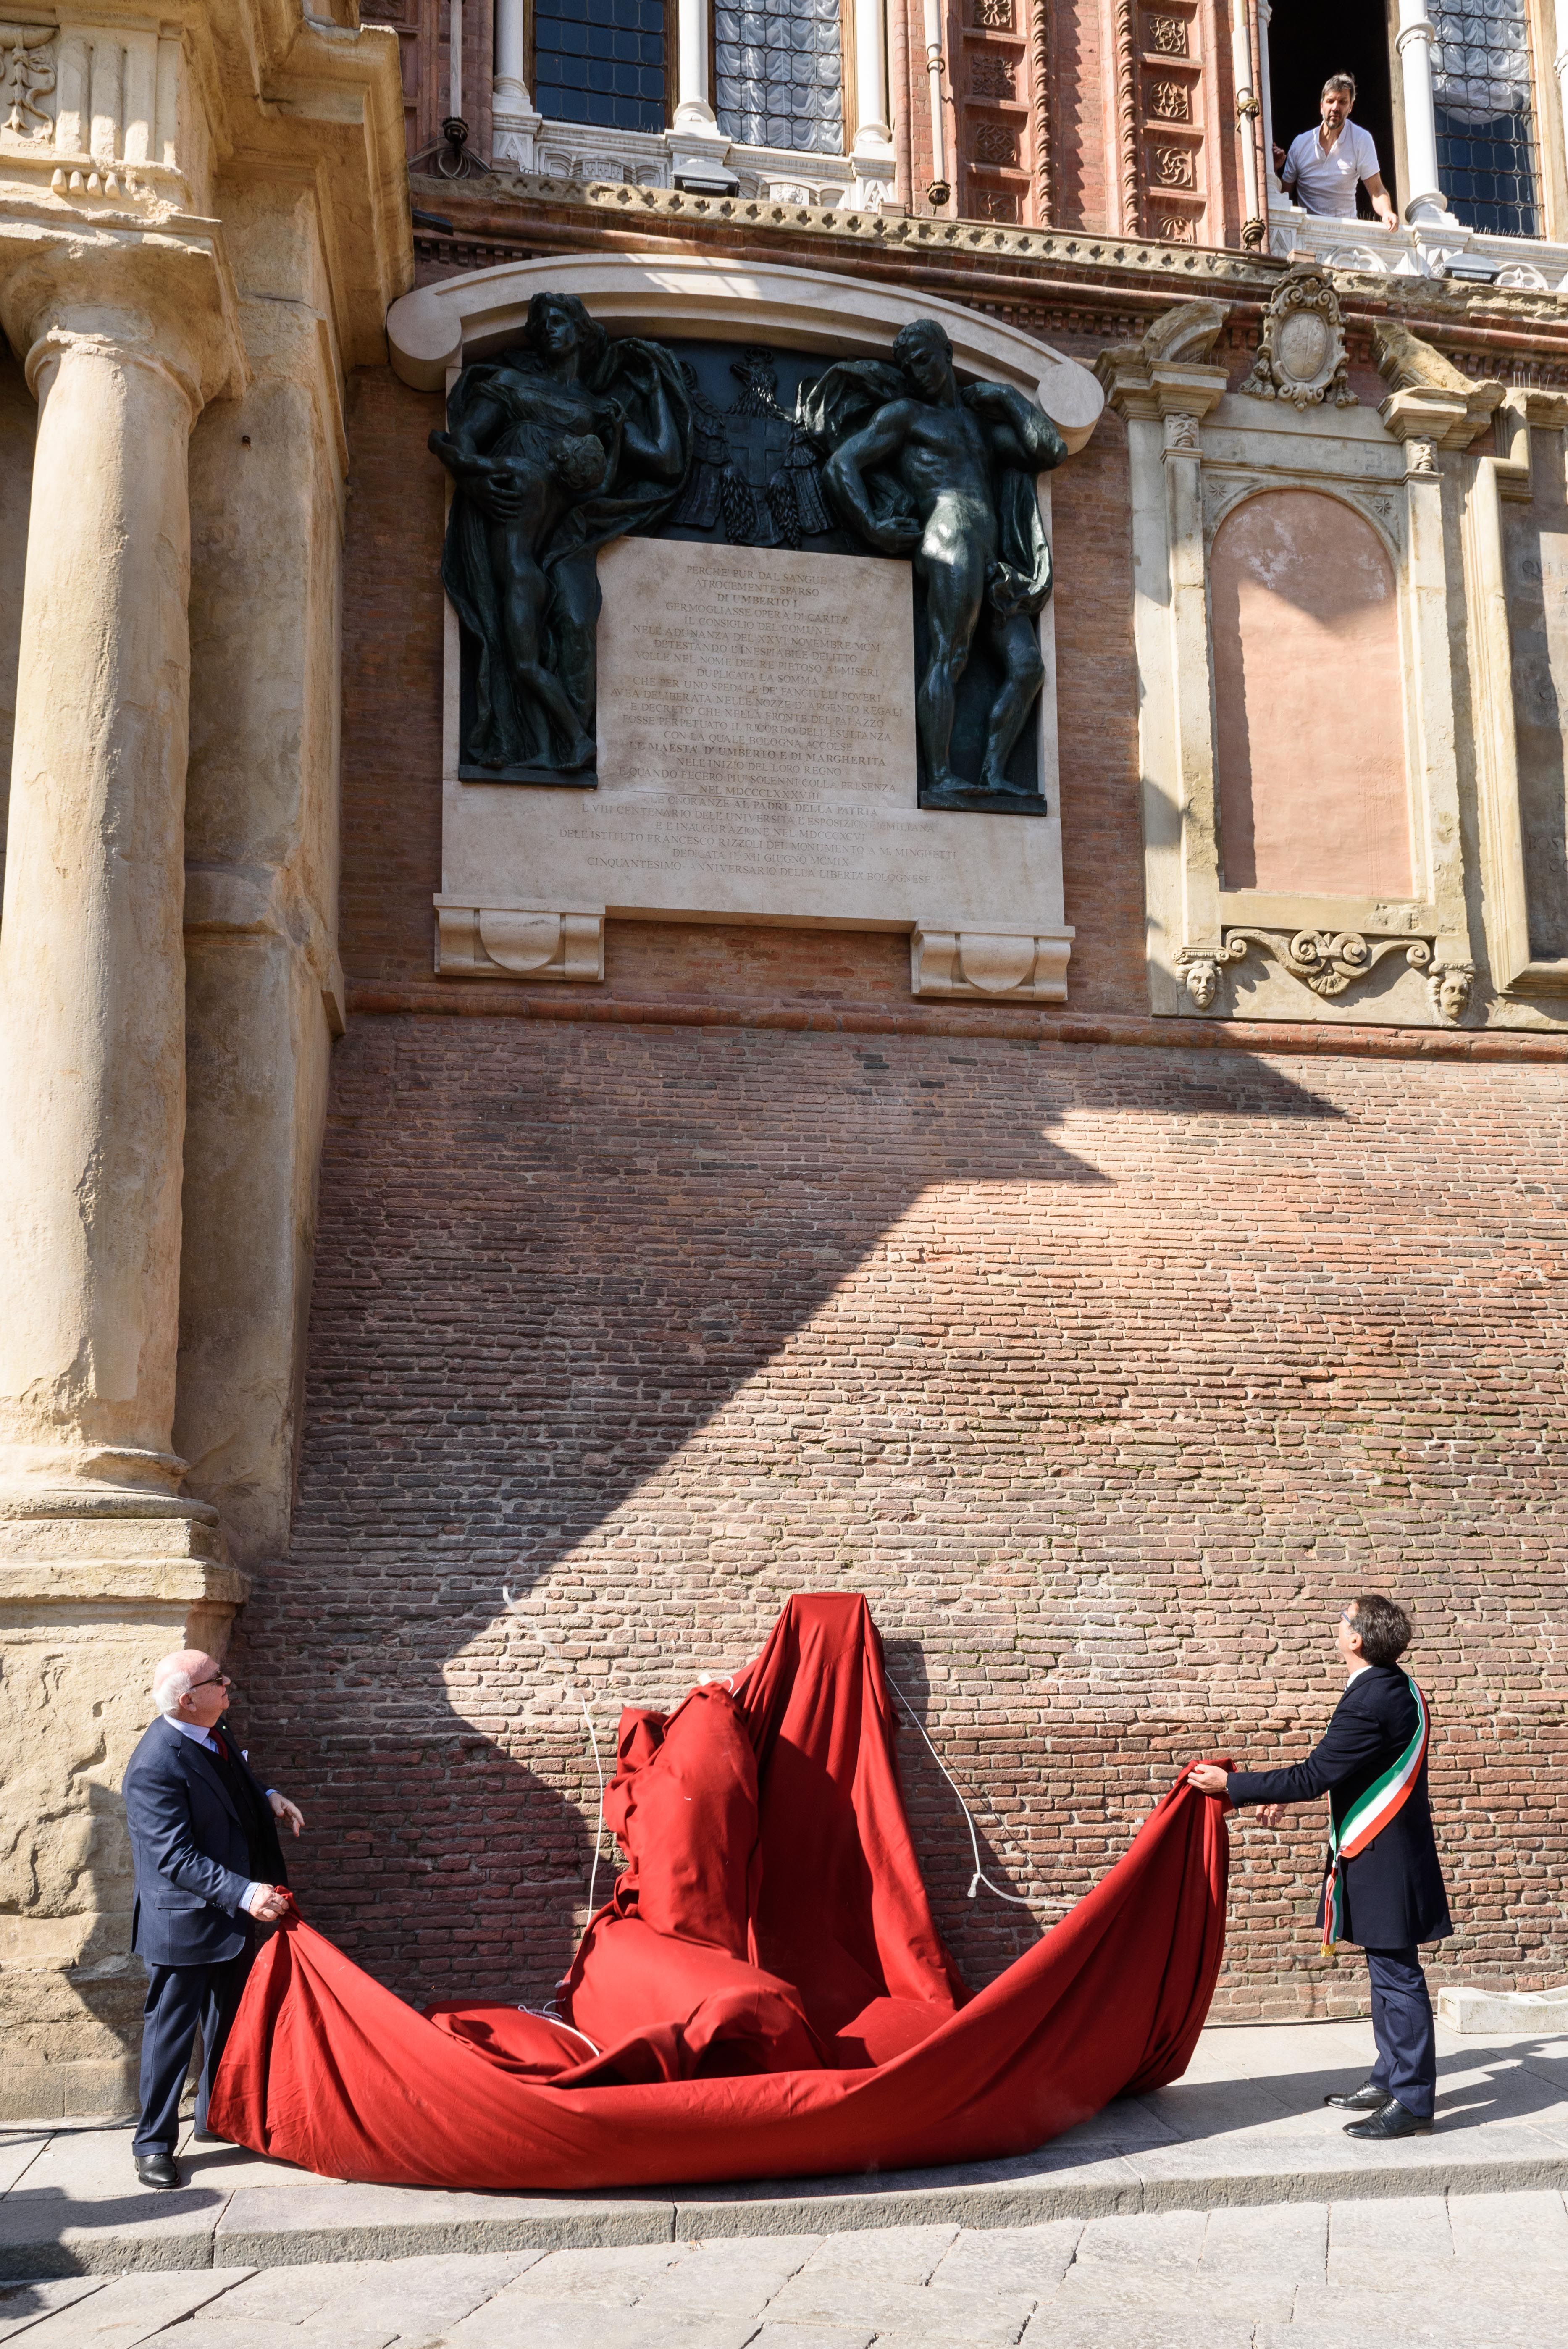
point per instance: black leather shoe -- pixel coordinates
(1366, 2098)
(157, 2169)
(1392, 2121)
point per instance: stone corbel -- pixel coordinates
(1168, 373)
(983, 964)
(1429, 399)
(510, 942)
(1328, 961)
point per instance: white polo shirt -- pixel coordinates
(1326, 183)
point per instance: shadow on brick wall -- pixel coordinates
(552, 1267)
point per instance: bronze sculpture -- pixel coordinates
(922, 468)
(556, 446)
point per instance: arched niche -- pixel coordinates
(1309, 716)
(440, 326)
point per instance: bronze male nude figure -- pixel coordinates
(946, 476)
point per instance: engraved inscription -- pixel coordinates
(757, 716)
(757, 761)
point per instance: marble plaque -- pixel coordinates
(756, 762)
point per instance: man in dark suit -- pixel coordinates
(204, 1847)
(1383, 1859)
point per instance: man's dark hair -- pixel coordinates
(920, 330)
(1385, 1628)
(1340, 81)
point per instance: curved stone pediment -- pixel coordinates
(462, 318)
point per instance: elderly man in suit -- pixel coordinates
(204, 1847)
(1383, 1887)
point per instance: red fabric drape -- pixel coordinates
(782, 2008)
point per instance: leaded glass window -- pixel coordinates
(1486, 128)
(780, 74)
(600, 61)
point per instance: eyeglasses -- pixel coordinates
(218, 1680)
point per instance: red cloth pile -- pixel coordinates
(766, 1995)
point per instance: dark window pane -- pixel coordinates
(779, 74)
(1486, 134)
(601, 62)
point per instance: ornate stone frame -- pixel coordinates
(434, 331)
(1195, 452)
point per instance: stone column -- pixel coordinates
(873, 133)
(92, 974)
(1265, 92)
(699, 147)
(694, 63)
(514, 118)
(105, 1564)
(1417, 37)
(1560, 66)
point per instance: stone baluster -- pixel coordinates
(1417, 37)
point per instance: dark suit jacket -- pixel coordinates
(190, 1852)
(1394, 1894)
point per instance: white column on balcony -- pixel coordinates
(1424, 205)
(694, 62)
(1266, 93)
(1559, 65)
(1246, 113)
(513, 116)
(873, 133)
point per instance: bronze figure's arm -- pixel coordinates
(1021, 434)
(844, 474)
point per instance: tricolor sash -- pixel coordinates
(1369, 1816)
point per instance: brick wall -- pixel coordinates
(1107, 1374)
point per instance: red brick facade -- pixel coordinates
(1106, 1370)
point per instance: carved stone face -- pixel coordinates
(1202, 983)
(1453, 993)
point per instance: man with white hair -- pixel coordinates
(204, 1847)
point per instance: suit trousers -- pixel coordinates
(1402, 2027)
(182, 2001)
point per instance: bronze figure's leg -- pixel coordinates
(1018, 647)
(952, 561)
(525, 592)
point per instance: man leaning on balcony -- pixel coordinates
(1324, 165)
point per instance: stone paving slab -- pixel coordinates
(1409, 2272)
(1246, 2129)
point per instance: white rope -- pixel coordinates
(979, 1876)
(599, 1816)
(552, 2014)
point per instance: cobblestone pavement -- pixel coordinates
(1477, 2271)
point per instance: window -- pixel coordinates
(1486, 129)
(779, 74)
(601, 61)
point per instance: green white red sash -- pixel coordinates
(1369, 1816)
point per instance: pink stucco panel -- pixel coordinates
(1308, 701)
